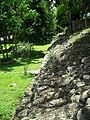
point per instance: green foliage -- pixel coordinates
(71, 10)
(24, 49)
(36, 21)
(28, 20)
(61, 16)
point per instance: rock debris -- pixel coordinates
(61, 91)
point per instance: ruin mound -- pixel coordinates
(61, 91)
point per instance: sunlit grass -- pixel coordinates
(14, 74)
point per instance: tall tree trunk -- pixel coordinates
(85, 18)
(85, 11)
(73, 25)
(14, 39)
(70, 21)
(2, 52)
(5, 45)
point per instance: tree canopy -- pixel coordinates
(37, 20)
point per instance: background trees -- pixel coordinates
(73, 14)
(36, 20)
(27, 20)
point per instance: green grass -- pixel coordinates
(14, 74)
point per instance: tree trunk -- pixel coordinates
(5, 45)
(85, 11)
(85, 18)
(2, 52)
(70, 21)
(73, 25)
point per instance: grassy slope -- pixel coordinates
(14, 74)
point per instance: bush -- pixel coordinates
(23, 49)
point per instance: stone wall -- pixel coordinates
(61, 91)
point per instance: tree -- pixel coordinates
(86, 9)
(68, 11)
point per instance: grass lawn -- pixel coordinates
(14, 74)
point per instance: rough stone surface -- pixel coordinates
(61, 91)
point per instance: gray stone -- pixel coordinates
(86, 59)
(88, 102)
(42, 88)
(69, 68)
(29, 105)
(77, 98)
(39, 116)
(87, 77)
(62, 116)
(51, 117)
(57, 101)
(34, 72)
(25, 118)
(73, 98)
(84, 114)
(85, 94)
(23, 113)
(13, 85)
(80, 84)
(72, 91)
(78, 114)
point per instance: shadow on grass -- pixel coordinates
(33, 59)
(37, 54)
(9, 67)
